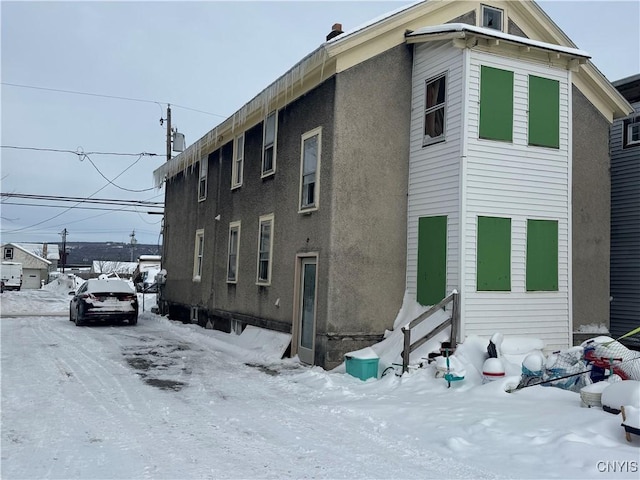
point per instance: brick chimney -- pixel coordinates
(335, 31)
(44, 251)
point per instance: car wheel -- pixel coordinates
(78, 318)
(133, 320)
(70, 314)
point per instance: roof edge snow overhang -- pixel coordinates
(348, 49)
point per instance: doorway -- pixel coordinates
(306, 315)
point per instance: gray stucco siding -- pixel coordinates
(591, 214)
(278, 195)
(370, 171)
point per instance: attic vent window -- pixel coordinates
(491, 18)
(8, 253)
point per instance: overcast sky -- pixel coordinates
(207, 56)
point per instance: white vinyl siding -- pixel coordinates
(517, 181)
(434, 170)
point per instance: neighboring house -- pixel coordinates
(625, 216)
(448, 145)
(125, 269)
(50, 251)
(35, 269)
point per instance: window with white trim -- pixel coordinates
(238, 162)
(434, 109)
(310, 169)
(632, 133)
(269, 144)
(233, 250)
(202, 183)
(265, 249)
(198, 255)
(491, 17)
(8, 253)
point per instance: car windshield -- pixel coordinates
(110, 285)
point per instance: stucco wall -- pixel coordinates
(370, 171)
(591, 214)
(278, 194)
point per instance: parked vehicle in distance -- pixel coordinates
(11, 275)
(104, 300)
(147, 282)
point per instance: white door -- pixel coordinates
(307, 309)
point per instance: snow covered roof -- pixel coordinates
(463, 28)
(109, 266)
(53, 250)
(290, 85)
(21, 248)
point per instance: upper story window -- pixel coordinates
(232, 256)
(269, 144)
(631, 133)
(202, 183)
(434, 112)
(8, 253)
(491, 17)
(198, 255)
(238, 162)
(544, 112)
(265, 249)
(310, 169)
(496, 104)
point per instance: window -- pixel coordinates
(631, 133)
(269, 144)
(434, 111)
(432, 260)
(8, 253)
(544, 112)
(496, 104)
(542, 255)
(309, 169)
(265, 248)
(238, 162)
(202, 184)
(491, 17)
(234, 247)
(197, 256)
(494, 254)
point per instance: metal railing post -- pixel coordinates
(406, 350)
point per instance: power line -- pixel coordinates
(79, 151)
(111, 182)
(76, 208)
(104, 201)
(130, 99)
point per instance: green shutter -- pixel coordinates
(432, 260)
(496, 104)
(544, 112)
(542, 255)
(494, 254)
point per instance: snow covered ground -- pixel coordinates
(166, 400)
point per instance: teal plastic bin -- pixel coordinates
(362, 368)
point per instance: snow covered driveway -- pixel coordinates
(171, 401)
(148, 402)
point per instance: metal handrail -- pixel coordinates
(453, 321)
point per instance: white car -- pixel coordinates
(104, 300)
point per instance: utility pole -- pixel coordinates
(64, 248)
(169, 132)
(133, 242)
